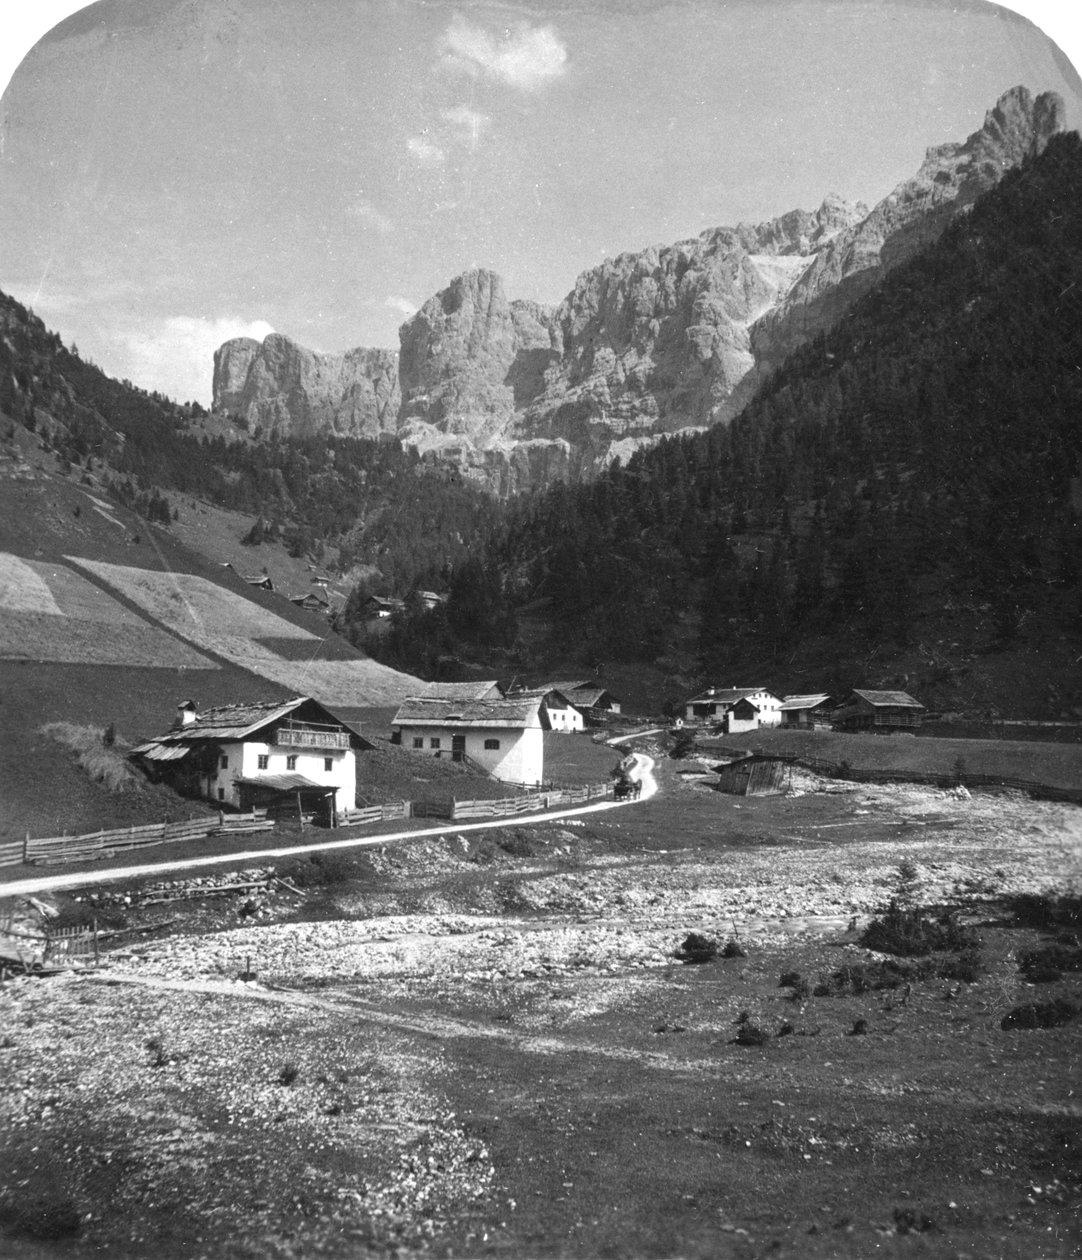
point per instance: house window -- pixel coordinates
(221, 794)
(491, 745)
(223, 764)
(263, 761)
(434, 742)
(328, 764)
(291, 762)
(418, 741)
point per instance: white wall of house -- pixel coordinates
(769, 707)
(513, 754)
(735, 725)
(335, 767)
(569, 719)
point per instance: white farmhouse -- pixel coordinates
(503, 735)
(719, 705)
(282, 752)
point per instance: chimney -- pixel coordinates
(186, 714)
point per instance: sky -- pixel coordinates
(177, 172)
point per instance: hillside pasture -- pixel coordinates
(50, 613)
(231, 625)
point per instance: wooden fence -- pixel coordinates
(95, 845)
(391, 811)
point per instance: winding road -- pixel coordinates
(642, 770)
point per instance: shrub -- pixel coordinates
(909, 932)
(288, 1074)
(696, 949)
(321, 868)
(749, 1034)
(733, 949)
(1040, 1015)
(857, 978)
(1046, 910)
(516, 843)
(1049, 962)
(966, 967)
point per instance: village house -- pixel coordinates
(881, 711)
(591, 700)
(314, 601)
(806, 712)
(291, 754)
(380, 607)
(735, 709)
(559, 712)
(488, 689)
(503, 735)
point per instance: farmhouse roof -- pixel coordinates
(888, 699)
(726, 695)
(488, 689)
(587, 697)
(228, 721)
(793, 703)
(517, 711)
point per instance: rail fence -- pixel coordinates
(97, 845)
(56, 850)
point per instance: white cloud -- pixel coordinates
(370, 216)
(404, 306)
(467, 124)
(525, 57)
(425, 151)
(176, 355)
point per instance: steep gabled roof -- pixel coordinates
(793, 703)
(513, 711)
(727, 695)
(231, 722)
(484, 690)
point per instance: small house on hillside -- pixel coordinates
(429, 599)
(558, 712)
(881, 711)
(379, 607)
(591, 700)
(805, 712)
(503, 736)
(282, 753)
(731, 708)
(313, 601)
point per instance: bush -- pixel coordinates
(857, 978)
(966, 967)
(320, 869)
(1046, 910)
(909, 932)
(288, 1074)
(1040, 1015)
(733, 949)
(1049, 962)
(696, 949)
(749, 1034)
(516, 843)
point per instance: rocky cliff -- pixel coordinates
(516, 394)
(282, 386)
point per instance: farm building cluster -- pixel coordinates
(733, 710)
(295, 756)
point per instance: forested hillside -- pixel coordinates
(344, 501)
(918, 458)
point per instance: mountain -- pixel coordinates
(287, 389)
(517, 395)
(901, 501)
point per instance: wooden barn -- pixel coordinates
(804, 712)
(881, 711)
(754, 776)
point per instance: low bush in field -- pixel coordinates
(1049, 962)
(1046, 910)
(909, 932)
(864, 977)
(748, 1033)
(1040, 1015)
(96, 754)
(696, 948)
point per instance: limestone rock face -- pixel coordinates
(281, 385)
(950, 179)
(516, 395)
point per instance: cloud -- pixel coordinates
(526, 57)
(467, 124)
(370, 216)
(426, 152)
(175, 355)
(404, 306)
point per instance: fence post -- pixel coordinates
(26, 848)
(96, 956)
